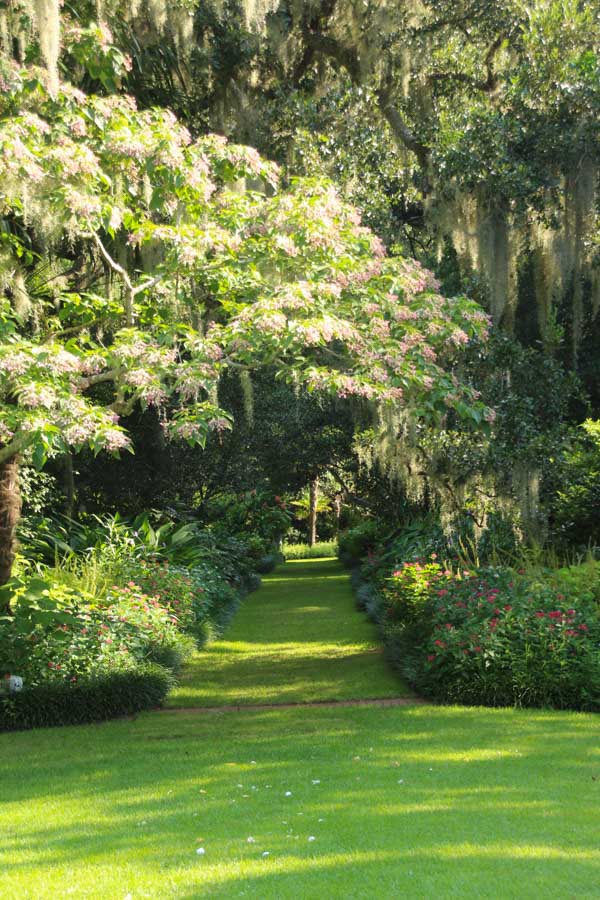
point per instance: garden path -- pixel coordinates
(298, 639)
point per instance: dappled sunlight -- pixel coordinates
(297, 639)
(382, 792)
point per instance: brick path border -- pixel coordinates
(315, 704)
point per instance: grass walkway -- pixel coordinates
(299, 638)
(303, 803)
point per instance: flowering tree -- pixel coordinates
(136, 265)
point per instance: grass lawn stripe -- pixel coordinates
(401, 802)
(299, 638)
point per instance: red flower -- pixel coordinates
(477, 649)
(442, 593)
(555, 614)
(449, 626)
(540, 615)
(583, 627)
(439, 643)
(508, 607)
(431, 657)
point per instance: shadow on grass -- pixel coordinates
(390, 795)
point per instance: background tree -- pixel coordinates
(176, 260)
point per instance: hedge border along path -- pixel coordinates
(298, 640)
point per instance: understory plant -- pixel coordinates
(492, 636)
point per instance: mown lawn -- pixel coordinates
(298, 638)
(401, 802)
(307, 802)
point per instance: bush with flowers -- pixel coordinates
(200, 597)
(492, 636)
(53, 633)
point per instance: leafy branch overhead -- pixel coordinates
(195, 260)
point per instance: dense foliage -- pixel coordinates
(488, 634)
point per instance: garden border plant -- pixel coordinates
(491, 635)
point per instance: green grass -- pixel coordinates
(305, 551)
(410, 802)
(298, 638)
(415, 801)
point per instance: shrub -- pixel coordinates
(55, 633)
(576, 503)
(267, 563)
(95, 699)
(172, 585)
(254, 515)
(581, 582)
(305, 551)
(492, 637)
(359, 542)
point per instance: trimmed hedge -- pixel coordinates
(305, 551)
(88, 700)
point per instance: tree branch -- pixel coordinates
(20, 441)
(345, 56)
(131, 291)
(100, 378)
(486, 85)
(401, 129)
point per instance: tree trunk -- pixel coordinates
(314, 501)
(10, 513)
(69, 486)
(337, 508)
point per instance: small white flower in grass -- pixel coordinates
(200, 851)
(266, 853)
(252, 762)
(240, 785)
(288, 793)
(312, 838)
(316, 781)
(251, 840)
(401, 781)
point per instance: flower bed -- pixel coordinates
(492, 636)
